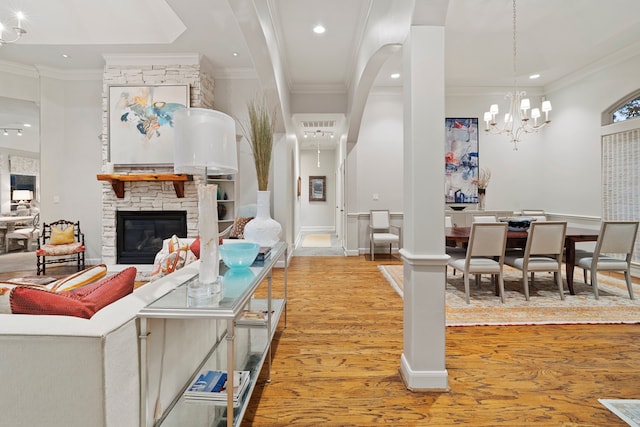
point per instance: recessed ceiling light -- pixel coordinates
(534, 76)
(64, 55)
(319, 29)
(235, 54)
(395, 75)
(27, 125)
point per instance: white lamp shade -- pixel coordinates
(535, 113)
(493, 109)
(22, 195)
(546, 106)
(525, 104)
(204, 138)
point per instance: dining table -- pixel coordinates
(518, 239)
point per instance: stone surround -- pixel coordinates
(150, 195)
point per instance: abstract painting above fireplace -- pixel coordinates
(139, 234)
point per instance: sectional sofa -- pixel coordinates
(63, 371)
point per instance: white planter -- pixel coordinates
(263, 229)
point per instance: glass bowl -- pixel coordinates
(239, 255)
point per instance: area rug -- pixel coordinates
(316, 241)
(543, 307)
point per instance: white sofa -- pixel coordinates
(69, 371)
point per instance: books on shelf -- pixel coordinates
(212, 386)
(263, 254)
(253, 317)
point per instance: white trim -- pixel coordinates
(125, 59)
(18, 69)
(423, 380)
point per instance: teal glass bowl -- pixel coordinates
(239, 255)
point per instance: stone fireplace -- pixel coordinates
(150, 196)
(139, 234)
(146, 198)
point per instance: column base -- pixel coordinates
(423, 380)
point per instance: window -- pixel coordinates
(629, 110)
(624, 109)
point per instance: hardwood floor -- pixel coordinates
(337, 362)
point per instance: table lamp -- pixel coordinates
(205, 143)
(23, 197)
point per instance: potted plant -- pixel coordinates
(262, 229)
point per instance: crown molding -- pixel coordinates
(124, 59)
(19, 69)
(74, 75)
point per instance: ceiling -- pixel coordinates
(555, 38)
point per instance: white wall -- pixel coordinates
(231, 97)
(71, 113)
(379, 154)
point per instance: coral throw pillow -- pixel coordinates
(237, 231)
(81, 302)
(195, 247)
(62, 237)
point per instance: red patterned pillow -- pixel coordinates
(81, 302)
(195, 247)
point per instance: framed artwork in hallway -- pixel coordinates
(317, 188)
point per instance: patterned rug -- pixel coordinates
(543, 307)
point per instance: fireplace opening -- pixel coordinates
(139, 234)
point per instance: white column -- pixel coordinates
(423, 358)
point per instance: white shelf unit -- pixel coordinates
(226, 197)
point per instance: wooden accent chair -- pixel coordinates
(61, 241)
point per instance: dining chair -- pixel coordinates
(381, 231)
(27, 236)
(484, 255)
(484, 218)
(542, 253)
(615, 241)
(535, 214)
(451, 247)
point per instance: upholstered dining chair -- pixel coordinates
(534, 214)
(27, 235)
(61, 242)
(484, 218)
(381, 231)
(484, 255)
(613, 252)
(451, 247)
(542, 253)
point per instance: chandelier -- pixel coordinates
(517, 121)
(15, 32)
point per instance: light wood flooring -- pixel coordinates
(337, 361)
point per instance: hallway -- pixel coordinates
(334, 250)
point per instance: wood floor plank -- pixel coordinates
(337, 362)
